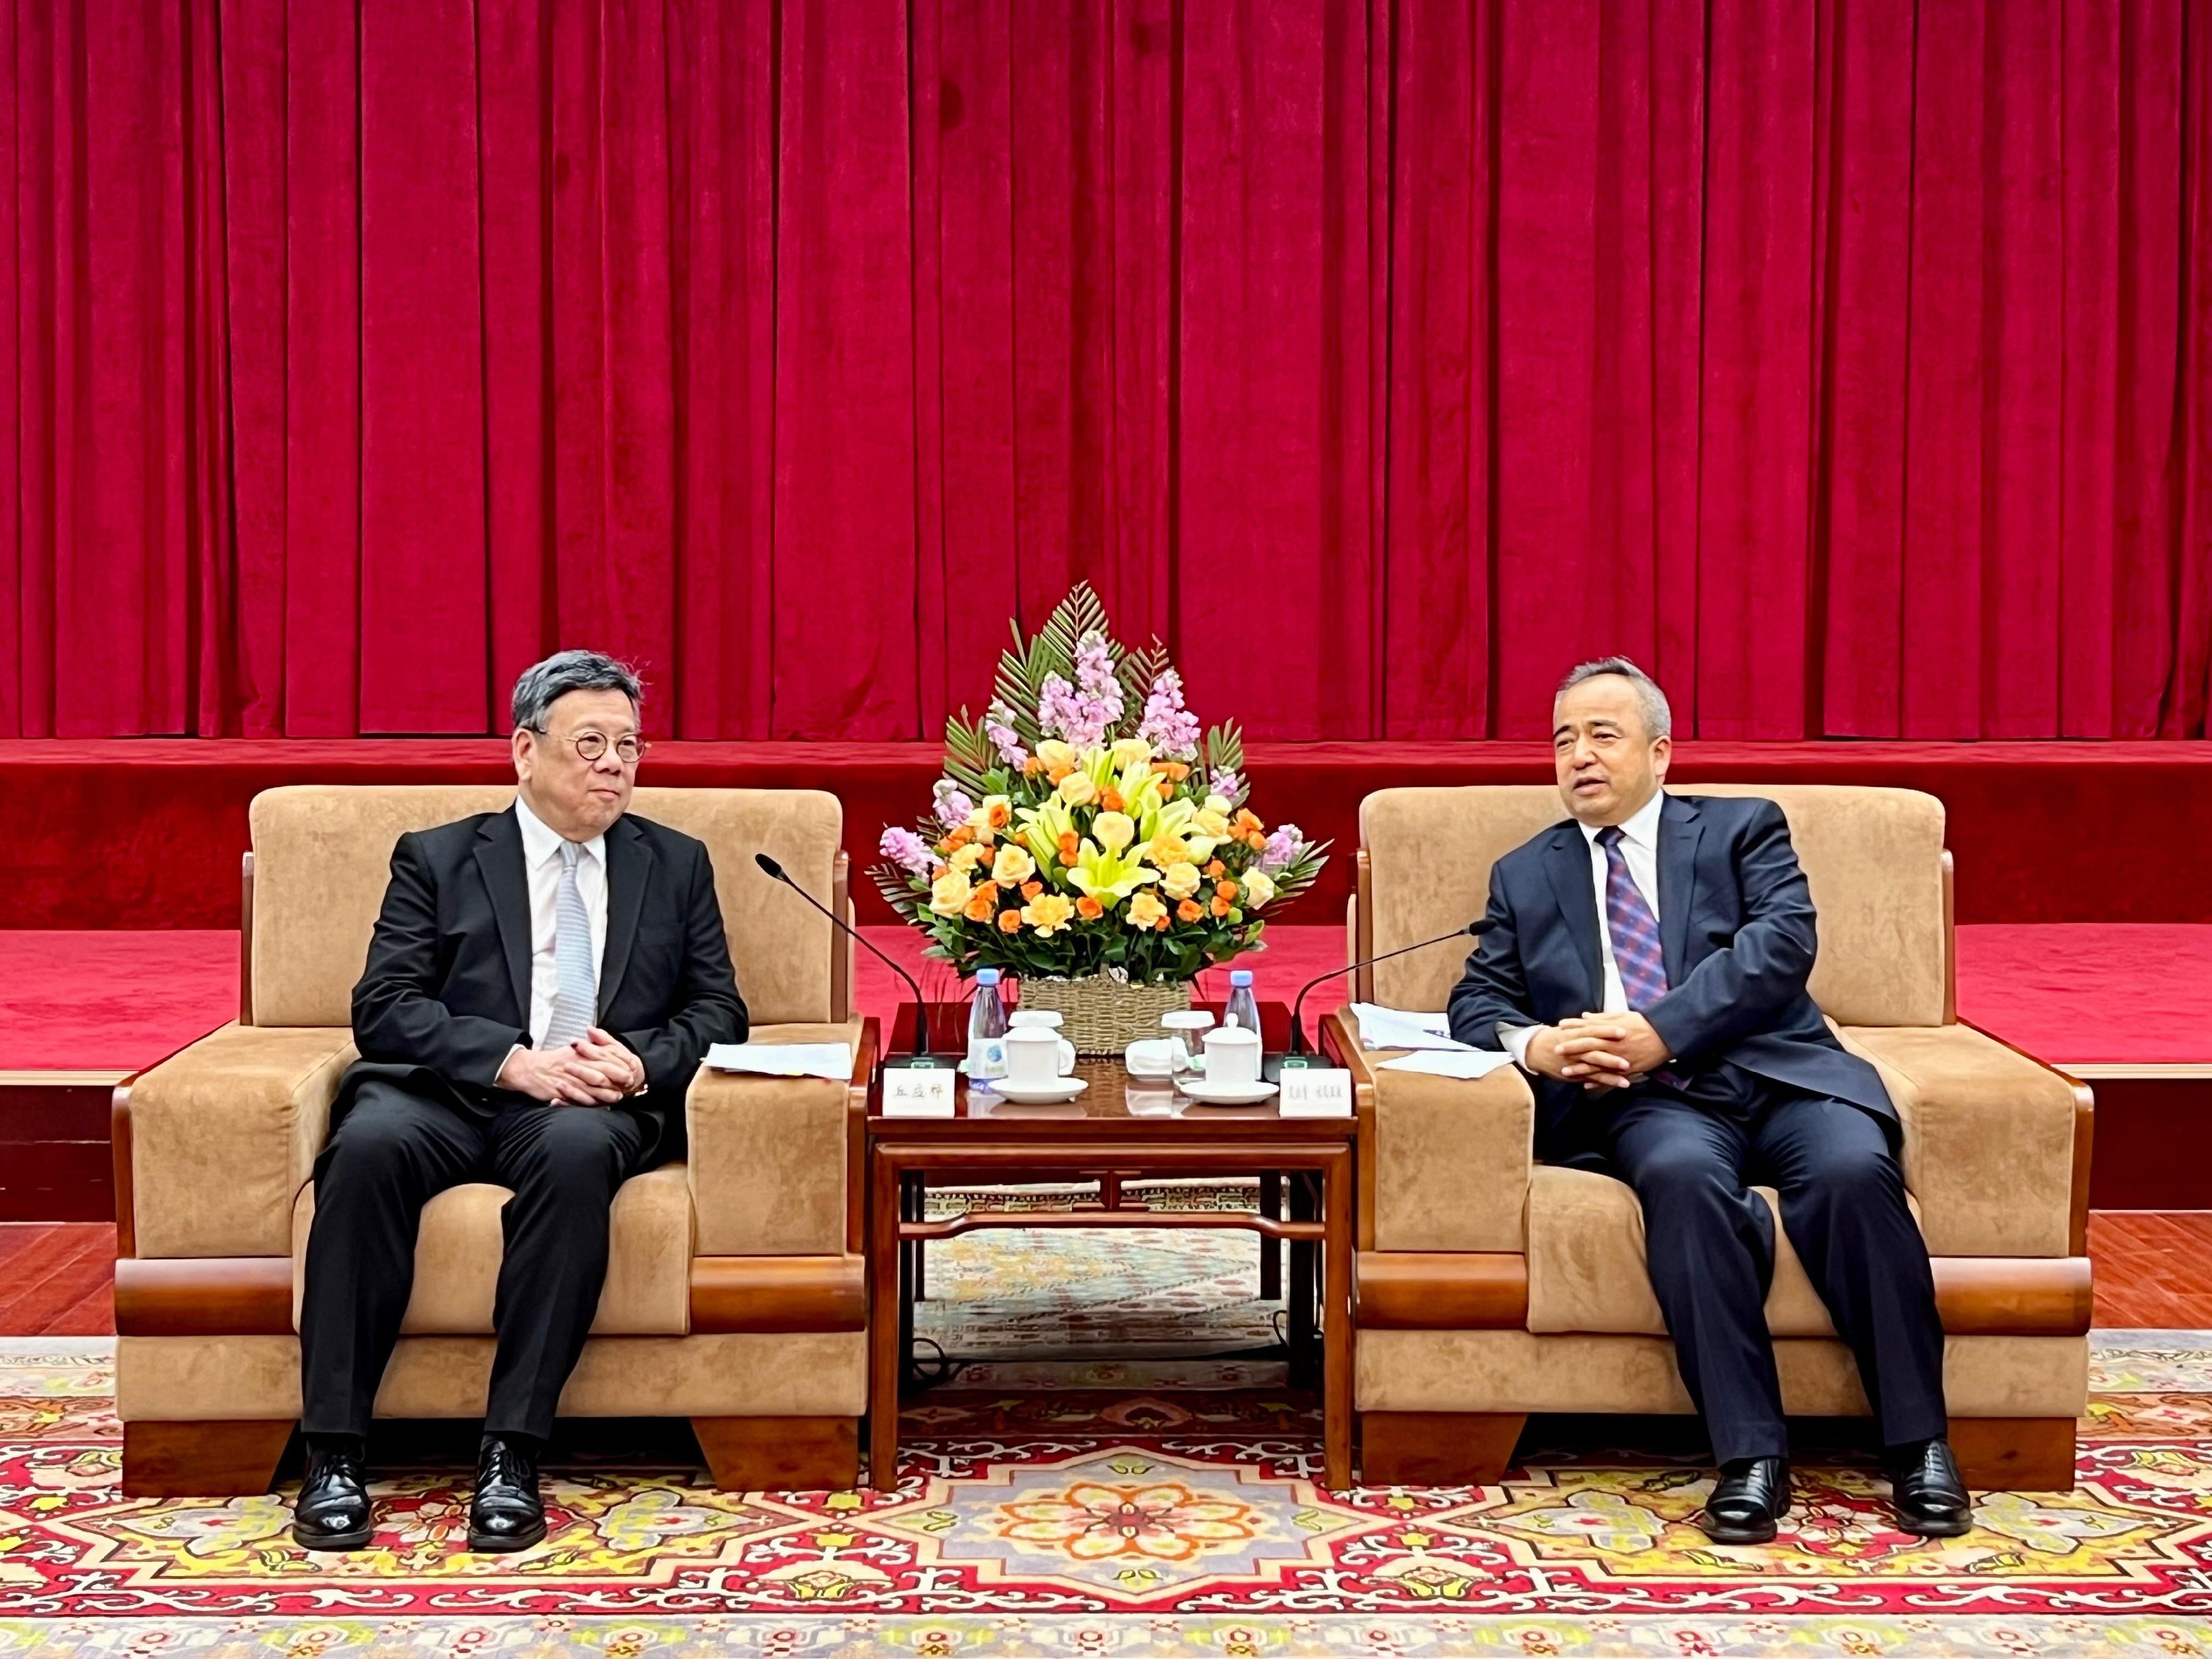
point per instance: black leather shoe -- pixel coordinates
(1931, 1498)
(1751, 1494)
(332, 1513)
(506, 1513)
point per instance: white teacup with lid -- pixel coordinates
(1233, 1056)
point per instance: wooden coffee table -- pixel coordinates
(1117, 1133)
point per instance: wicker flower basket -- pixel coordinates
(1102, 1016)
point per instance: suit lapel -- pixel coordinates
(629, 867)
(1568, 863)
(499, 858)
(1680, 828)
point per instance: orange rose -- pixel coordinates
(1110, 801)
(1010, 922)
(1001, 814)
(1226, 890)
(1089, 907)
(983, 903)
(1220, 907)
(1031, 767)
(1247, 821)
(1161, 926)
(940, 873)
(1053, 775)
(1178, 770)
(1257, 842)
(1032, 888)
(1188, 910)
(1216, 870)
(1071, 848)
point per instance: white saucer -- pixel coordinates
(1227, 1093)
(1039, 1094)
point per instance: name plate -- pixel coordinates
(1319, 1092)
(914, 1091)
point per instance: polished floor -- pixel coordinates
(2154, 1272)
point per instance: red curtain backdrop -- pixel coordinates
(1847, 362)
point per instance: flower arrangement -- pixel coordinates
(1083, 828)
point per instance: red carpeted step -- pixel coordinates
(2103, 993)
(151, 830)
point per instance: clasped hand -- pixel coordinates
(595, 1070)
(1598, 1051)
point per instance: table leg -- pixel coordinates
(1336, 1327)
(886, 1334)
(1271, 1250)
(1302, 1299)
(914, 1205)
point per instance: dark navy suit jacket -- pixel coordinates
(1736, 924)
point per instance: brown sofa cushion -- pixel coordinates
(1874, 857)
(223, 1133)
(459, 1250)
(1587, 1273)
(322, 854)
(1586, 1267)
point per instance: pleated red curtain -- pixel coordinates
(1848, 362)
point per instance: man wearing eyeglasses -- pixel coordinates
(541, 986)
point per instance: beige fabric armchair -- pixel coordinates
(1490, 1286)
(735, 1295)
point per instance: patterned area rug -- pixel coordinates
(1135, 1516)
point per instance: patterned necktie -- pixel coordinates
(1632, 928)
(575, 975)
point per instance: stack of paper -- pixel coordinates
(1399, 1027)
(1467, 1063)
(830, 1059)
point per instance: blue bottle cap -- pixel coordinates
(1240, 975)
(986, 976)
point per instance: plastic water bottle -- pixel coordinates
(1243, 1008)
(987, 1027)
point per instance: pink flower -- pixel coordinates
(998, 726)
(1171, 729)
(907, 850)
(953, 807)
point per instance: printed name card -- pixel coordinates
(911, 1092)
(1322, 1092)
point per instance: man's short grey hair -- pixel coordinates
(544, 683)
(1658, 718)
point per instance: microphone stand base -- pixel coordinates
(1272, 1067)
(920, 1063)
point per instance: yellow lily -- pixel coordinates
(1109, 878)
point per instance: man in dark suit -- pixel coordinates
(1647, 966)
(541, 986)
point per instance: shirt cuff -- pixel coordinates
(1515, 1039)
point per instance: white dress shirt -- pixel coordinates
(541, 857)
(1639, 848)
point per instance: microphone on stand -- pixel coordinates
(921, 1059)
(1297, 1058)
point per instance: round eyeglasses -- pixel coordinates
(593, 746)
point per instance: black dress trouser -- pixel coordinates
(390, 1155)
(1709, 1243)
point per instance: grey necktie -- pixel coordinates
(575, 975)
